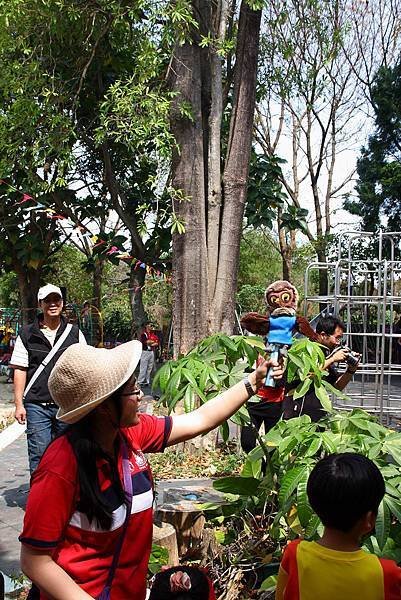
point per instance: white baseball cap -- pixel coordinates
(48, 289)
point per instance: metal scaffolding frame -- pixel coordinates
(366, 295)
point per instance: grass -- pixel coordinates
(174, 464)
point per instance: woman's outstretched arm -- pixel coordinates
(219, 409)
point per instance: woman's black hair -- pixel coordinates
(342, 488)
(87, 452)
(161, 589)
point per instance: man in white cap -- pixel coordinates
(36, 351)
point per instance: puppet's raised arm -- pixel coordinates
(304, 327)
(256, 323)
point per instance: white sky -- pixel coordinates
(346, 160)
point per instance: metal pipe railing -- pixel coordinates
(350, 281)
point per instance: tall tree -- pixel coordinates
(306, 95)
(55, 141)
(379, 166)
(312, 106)
(213, 182)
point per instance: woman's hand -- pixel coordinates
(258, 377)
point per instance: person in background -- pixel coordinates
(94, 536)
(149, 343)
(85, 319)
(331, 331)
(345, 491)
(10, 371)
(33, 403)
(6, 332)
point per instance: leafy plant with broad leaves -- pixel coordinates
(220, 361)
(267, 507)
(274, 501)
(215, 364)
(305, 365)
(158, 559)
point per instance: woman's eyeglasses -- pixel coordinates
(134, 392)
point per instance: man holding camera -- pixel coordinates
(331, 330)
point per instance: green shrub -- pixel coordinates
(214, 364)
(117, 319)
(266, 509)
(220, 361)
(290, 450)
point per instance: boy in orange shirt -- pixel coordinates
(345, 491)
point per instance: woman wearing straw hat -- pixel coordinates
(88, 522)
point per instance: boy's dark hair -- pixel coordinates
(328, 324)
(342, 488)
(161, 589)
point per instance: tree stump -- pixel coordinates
(165, 536)
(187, 521)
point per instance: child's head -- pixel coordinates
(345, 490)
(180, 583)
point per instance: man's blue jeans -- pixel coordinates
(42, 428)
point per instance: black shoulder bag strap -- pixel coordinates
(47, 359)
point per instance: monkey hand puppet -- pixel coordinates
(281, 322)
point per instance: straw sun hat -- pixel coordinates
(84, 377)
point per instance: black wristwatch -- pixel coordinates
(248, 386)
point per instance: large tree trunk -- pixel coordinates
(214, 200)
(190, 281)
(206, 256)
(235, 178)
(28, 284)
(97, 283)
(136, 282)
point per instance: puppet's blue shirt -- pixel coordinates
(281, 329)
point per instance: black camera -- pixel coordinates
(352, 358)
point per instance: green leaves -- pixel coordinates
(293, 447)
(275, 501)
(294, 218)
(394, 506)
(323, 397)
(270, 583)
(383, 523)
(290, 482)
(302, 389)
(305, 364)
(158, 558)
(216, 363)
(276, 494)
(265, 191)
(379, 166)
(246, 486)
(305, 511)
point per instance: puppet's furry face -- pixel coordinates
(281, 295)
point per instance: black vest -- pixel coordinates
(38, 347)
